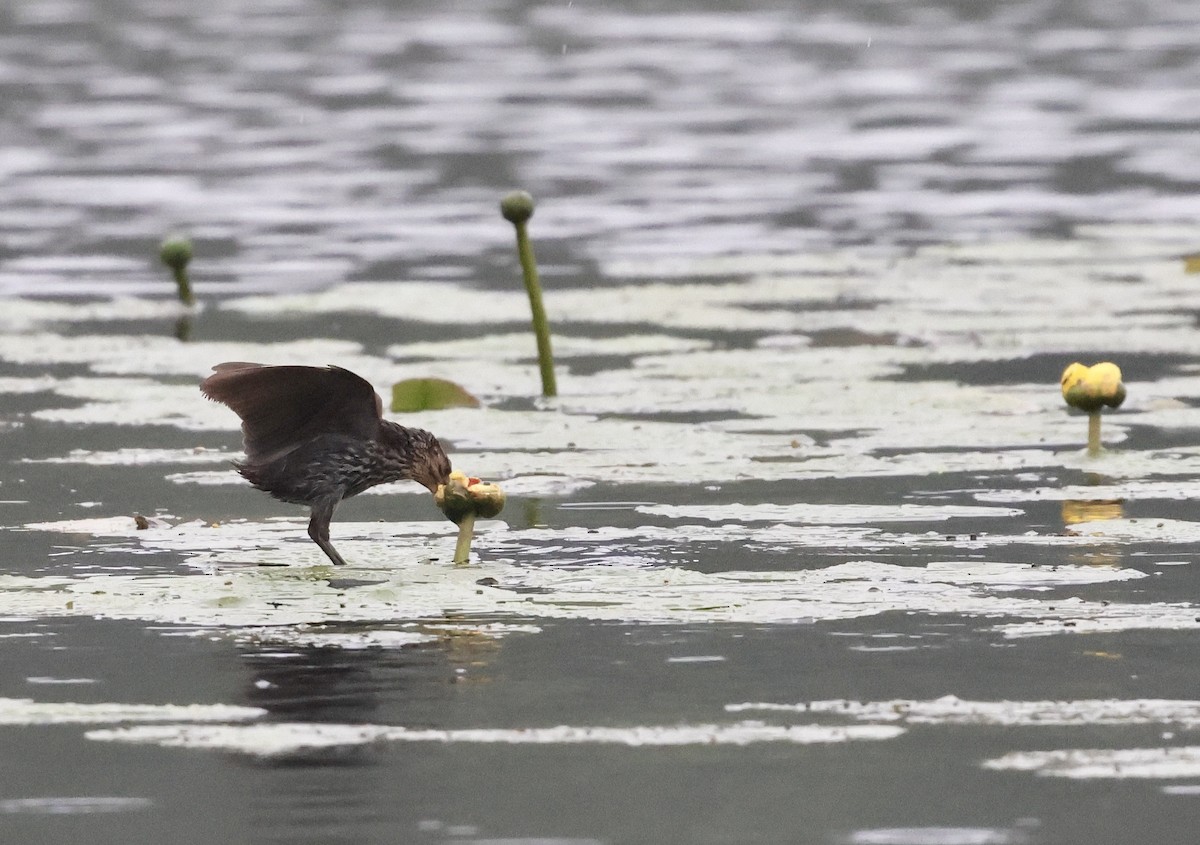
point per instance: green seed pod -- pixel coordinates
(176, 253)
(517, 207)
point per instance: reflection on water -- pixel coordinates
(1075, 511)
(352, 685)
(325, 684)
(415, 685)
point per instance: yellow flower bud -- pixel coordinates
(1091, 388)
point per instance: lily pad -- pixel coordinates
(429, 394)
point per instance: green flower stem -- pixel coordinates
(184, 286)
(517, 208)
(1094, 448)
(541, 328)
(462, 549)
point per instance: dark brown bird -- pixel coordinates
(316, 435)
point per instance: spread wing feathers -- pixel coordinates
(284, 407)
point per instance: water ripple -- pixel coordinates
(386, 134)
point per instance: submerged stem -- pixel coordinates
(462, 548)
(1094, 448)
(517, 208)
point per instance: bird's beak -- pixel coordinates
(431, 479)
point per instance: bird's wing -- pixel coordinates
(284, 407)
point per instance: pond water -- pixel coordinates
(809, 548)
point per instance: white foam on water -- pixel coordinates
(348, 640)
(937, 836)
(1170, 763)
(272, 739)
(228, 591)
(951, 710)
(1132, 490)
(827, 514)
(72, 805)
(25, 711)
(135, 456)
(814, 396)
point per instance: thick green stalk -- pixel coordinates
(1094, 448)
(541, 328)
(517, 208)
(462, 549)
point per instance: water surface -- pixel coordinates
(807, 551)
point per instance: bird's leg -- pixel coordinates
(318, 528)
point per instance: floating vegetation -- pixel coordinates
(429, 394)
(268, 601)
(682, 409)
(682, 483)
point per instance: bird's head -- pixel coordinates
(430, 466)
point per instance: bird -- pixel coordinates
(316, 435)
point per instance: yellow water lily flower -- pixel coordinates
(464, 494)
(462, 498)
(1091, 388)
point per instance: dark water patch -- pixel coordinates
(593, 364)
(857, 337)
(517, 403)
(39, 440)
(838, 303)
(349, 583)
(1141, 438)
(873, 490)
(889, 451)
(1045, 368)
(19, 406)
(684, 417)
(343, 685)
(811, 437)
